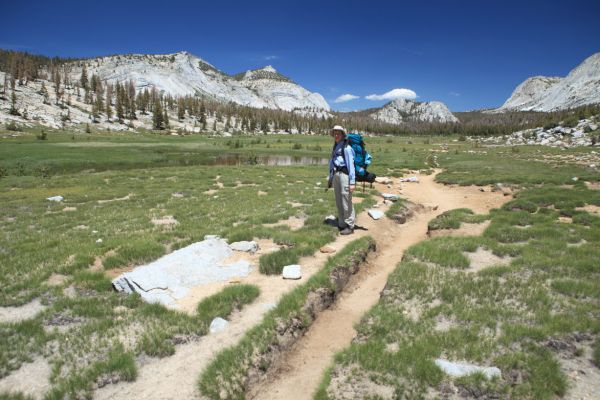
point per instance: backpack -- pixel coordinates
(362, 159)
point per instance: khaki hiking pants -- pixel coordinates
(343, 200)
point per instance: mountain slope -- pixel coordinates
(183, 74)
(402, 110)
(539, 93)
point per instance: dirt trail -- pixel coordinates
(333, 329)
(175, 377)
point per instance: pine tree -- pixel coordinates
(84, 78)
(180, 109)
(44, 92)
(57, 90)
(13, 104)
(166, 119)
(157, 119)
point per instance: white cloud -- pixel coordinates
(398, 93)
(271, 57)
(345, 97)
(455, 94)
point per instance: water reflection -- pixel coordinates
(271, 160)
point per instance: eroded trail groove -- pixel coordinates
(175, 377)
(303, 367)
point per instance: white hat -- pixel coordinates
(338, 128)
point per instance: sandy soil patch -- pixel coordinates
(591, 208)
(466, 229)
(352, 382)
(565, 220)
(116, 199)
(593, 185)
(69, 209)
(261, 193)
(57, 279)
(32, 379)
(210, 191)
(294, 223)
(21, 313)
(482, 258)
(357, 200)
(98, 261)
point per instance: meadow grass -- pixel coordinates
(115, 184)
(500, 316)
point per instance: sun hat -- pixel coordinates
(338, 128)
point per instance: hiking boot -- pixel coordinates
(347, 231)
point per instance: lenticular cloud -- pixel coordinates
(398, 93)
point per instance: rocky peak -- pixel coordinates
(539, 93)
(404, 110)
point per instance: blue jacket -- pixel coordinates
(340, 156)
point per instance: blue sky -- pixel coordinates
(468, 54)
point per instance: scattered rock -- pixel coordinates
(327, 249)
(245, 246)
(410, 179)
(218, 325)
(166, 220)
(292, 272)
(390, 196)
(99, 241)
(69, 209)
(375, 214)
(177, 195)
(458, 369)
(383, 179)
(57, 199)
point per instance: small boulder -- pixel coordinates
(292, 272)
(458, 369)
(57, 199)
(375, 214)
(218, 325)
(390, 196)
(246, 246)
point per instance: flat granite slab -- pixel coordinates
(170, 277)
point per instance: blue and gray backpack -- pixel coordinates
(362, 159)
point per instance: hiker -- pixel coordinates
(342, 177)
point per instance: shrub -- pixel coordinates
(42, 136)
(12, 126)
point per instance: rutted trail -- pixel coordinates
(175, 377)
(300, 374)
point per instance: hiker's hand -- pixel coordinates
(351, 188)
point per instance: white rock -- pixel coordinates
(218, 325)
(57, 199)
(458, 369)
(375, 214)
(574, 179)
(330, 218)
(390, 196)
(210, 237)
(292, 272)
(246, 246)
(410, 179)
(99, 241)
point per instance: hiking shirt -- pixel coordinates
(342, 154)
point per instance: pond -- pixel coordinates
(271, 160)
